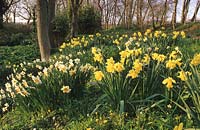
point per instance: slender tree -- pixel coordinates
(42, 29)
(152, 12)
(175, 3)
(163, 17)
(51, 16)
(185, 10)
(130, 13)
(4, 6)
(196, 11)
(74, 4)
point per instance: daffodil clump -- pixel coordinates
(143, 60)
(48, 85)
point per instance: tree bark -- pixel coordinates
(196, 11)
(153, 17)
(175, 3)
(1, 14)
(74, 4)
(51, 11)
(163, 17)
(185, 11)
(139, 14)
(130, 12)
(42, 29)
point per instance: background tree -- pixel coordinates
(185, 10)
(196, 11)
(74, 6)
(51, 16)
(4, 6)
(175, 3)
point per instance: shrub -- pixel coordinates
(61, 24)
(89, 20)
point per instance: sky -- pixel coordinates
(179, 10)
(191, 9)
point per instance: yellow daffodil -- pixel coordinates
(24, 83)
(98, 75)
(173, 55)
(110, 61)
(116, 42)
(137, 65)
(110, 68)
(98, 58)
(94, 50)
(196, 60)
(158, 57)
(183, 34)
(179, 127)
(164, 35)
(183, 75)
(171, 64)
(139, 34)
(132, 73)
(146, 59)
(137, 52)
(169, 82)
(118, 67)
(124, 54)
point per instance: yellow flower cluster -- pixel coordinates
(97, 55)
(171, 64)
(177, 33)
(137, 68)
(196, 60)
(158, 57)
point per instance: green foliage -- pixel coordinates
(146, 79)
(61, 24)
(193, 89)
(16, 34)
(89, 20)
(18, 54)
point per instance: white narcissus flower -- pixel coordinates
(77, 61)
(65, 89)
(36, 80)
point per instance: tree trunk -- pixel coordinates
(196, 11)
(139, 13)
(1, 14)
(185, 11)
(34, 19)
(124, 13)
(14, 16)
(175, 3)
(130, 12)
(51, 11)
(74, 5)
(153, 17)
(163, 17)
(114, 23)
(74, 27)
(42, 29)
